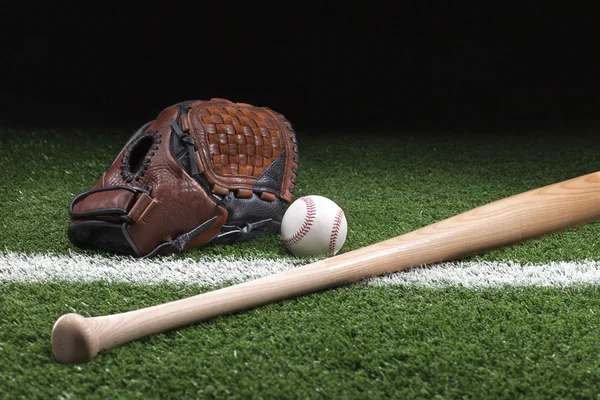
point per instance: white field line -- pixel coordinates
(213, 271)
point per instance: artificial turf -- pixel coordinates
(353, 342)
(388, 183)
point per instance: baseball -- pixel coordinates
(314, 226)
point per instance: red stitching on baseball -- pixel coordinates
(311, 214)
(337, 223)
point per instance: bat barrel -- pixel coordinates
(524, 216)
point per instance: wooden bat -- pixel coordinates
(542, 211)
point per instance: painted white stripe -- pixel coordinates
(213, 271)
(219, 271)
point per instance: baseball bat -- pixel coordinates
(531, 214)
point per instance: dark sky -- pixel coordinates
(322, 66)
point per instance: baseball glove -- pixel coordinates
(203, 172)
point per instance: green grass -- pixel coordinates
(354, 342)
(387, 184)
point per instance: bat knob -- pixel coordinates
(73, 341)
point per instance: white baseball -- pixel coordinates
(314, 226)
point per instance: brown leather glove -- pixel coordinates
(202, 172)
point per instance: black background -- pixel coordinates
(323, 65)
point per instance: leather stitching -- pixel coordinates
(311, 214)
(337, 223)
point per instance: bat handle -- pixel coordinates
(73, 339)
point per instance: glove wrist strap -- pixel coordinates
(129, 205)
